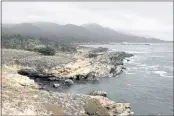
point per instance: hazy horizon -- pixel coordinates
(147, 19)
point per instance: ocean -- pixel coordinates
(147, 82)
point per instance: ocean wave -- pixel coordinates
(155, 67)
(129, 73)
(154, 56)
(169, 68)
(162, 73)
(132, 60)
(111, 50)
(142, 65)
(148, 68)
(138, 52)
(127, 51)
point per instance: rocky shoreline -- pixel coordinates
(38, 91)
(88, 66)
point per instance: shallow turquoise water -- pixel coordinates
(147, 83)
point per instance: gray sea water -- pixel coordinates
(147, 83)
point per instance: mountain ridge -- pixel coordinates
(90, 32)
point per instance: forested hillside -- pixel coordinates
(87, 33)
(18, 41)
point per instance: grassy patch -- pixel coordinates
(45, 50)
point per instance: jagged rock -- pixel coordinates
(116, 70)
(98, 93)
(69, 82)
(119, 62)
(56, 85)
(90, 76)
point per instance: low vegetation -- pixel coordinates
(12, 57)
(41, 45)
(46, 50)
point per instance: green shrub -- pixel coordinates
(45, 50)
(93, 107)
(64, 47)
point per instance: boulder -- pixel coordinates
(56, 85)
(98, 93)
(69, 82)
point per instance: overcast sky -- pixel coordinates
(150, 19)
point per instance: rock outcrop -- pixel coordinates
(98, 93)
(90, 68)
(83, 69)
